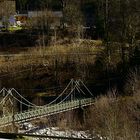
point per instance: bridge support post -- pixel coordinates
(3, 104)
(82, 113)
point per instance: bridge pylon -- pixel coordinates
(8, 106)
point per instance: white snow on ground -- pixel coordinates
(55, 131)
(5, 139)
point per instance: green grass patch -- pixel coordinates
(12, 29)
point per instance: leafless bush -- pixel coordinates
(133, 82)
(113, 118)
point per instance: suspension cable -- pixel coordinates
(67, 95)
(78, 88)
(34, 105)
(20, 101)
(3, 90)
(86, 87)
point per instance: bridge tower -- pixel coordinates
(8, 106)
(7, 103)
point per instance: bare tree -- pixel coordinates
(73, 18)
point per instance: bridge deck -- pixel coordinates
(44, 111)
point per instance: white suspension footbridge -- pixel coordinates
(72, 97)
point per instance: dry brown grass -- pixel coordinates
(47, 56)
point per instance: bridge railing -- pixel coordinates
(45, 111)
